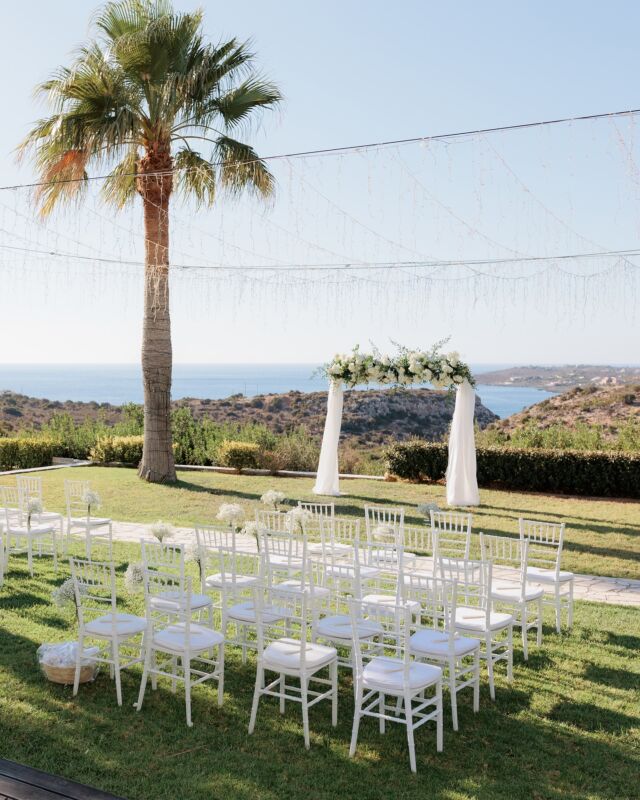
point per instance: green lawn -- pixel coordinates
(602, 538)
(568, 727)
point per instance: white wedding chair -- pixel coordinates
(80, 523)
(393, 674)
(276, 521)
(173, 641)
(167, 561)
(510, 587)
(341, 577)
(22, 536)
(336, 534)
(476, 616)
(322, 510)
(99, 620)
(30, 488)
(451, 533)
(10, 503)
(546, 540)
(379, 518)
(286, 566)
(290, 656)
(459, 656)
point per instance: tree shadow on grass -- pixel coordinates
(626, 640)
(19, 600)
(589, 717)
(612, 677)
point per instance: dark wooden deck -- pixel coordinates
(23, 783)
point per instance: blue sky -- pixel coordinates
(356, 72)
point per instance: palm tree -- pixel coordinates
(140, 102)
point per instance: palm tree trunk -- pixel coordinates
(157, 463)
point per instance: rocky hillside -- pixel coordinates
(561, 378)
(608, 406)
(370, 417)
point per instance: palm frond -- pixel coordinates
(120, 187)
(196, 176)
(65, 178)
(241, 168)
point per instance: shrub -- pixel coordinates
(578, 472)
(25, 453)
(296, 450)
(238, 455)
(123, 449)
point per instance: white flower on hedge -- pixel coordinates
(298, 518)
(231, 513)
(161, 530)
(134, 577)
(273, 498)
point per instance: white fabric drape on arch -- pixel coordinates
(327, 480)
(462, 480)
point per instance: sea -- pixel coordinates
(121, 383)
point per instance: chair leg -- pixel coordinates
(304, 684)
(558, 609)
(476, 681)
(356, 724)
(282, 688)
(381, 707)
(510, 655)
(221, 674)
(116, 668)
(453, 692)
(54, 547)
(110, 542)
(489, 654)
(76, 678)
(256, 698)
(408, 714)
(186, 668)
(145, 674)
(539, 634)
(525, 631)
(334, 695)
(439, 720)
(30, 555)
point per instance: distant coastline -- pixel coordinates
(117, 384)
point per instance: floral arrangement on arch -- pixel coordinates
(407, 367)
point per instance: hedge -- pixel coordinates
(578, 472)
(25, 453)
(238, 455)
(125, 449)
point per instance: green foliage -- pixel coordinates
(238, 455)
(25, 453)
(579, 472)
(118, 449)
(560, 437)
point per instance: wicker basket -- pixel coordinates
(66, 675)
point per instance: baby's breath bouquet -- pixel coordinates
(91, 499)
(232, 514)
(161, 530)
(273, 498)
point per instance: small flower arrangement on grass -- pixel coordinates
(298, 518)
(273, 498)
(34, 507)
(426, 508)
(134, 577)
(161, 530)
(92, 500)
(65, 595)
(232, 514)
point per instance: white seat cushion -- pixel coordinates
(318, 592)
(282, 561)
(366, 573)
(547, 575)
(174, 638)
(337, 548)
(125, 625)
(286, 653)
(510, 593)
(246, 612)
(36, 530)
(431, 642)
(338, 626)
(474, 619)
(240, 582)
(389, 600)
(171, 599)
(92, 522)
(387, 674)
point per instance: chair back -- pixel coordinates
(283, 553)
(212, 536)
(394, 622)
(424, 589)
(230, 564)
(336, 531)
(546, 540)
(11, 506)
(323, 510)
(379, 518)
(419, 538)
(508, 552)
(451, 533)
(276, 521)
(74, 493)
(29, 488)
(473, 581)
(94, 584)
(291, 606)
(164, 559)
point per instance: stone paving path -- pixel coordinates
(599, 589)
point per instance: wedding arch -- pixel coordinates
(405, 368)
